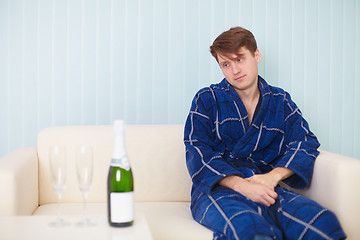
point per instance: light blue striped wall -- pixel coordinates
(92, 61)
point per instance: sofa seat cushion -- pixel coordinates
(167, 220)
(173, 219)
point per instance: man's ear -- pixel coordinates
(257, 55)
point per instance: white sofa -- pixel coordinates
(162, 183)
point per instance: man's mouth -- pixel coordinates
(239, 78)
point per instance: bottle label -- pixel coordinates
(122, 207)
(121, 162)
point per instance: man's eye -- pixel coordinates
(226, 65)
(240, 60)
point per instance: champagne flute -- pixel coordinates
(84, 170)
(57, 161)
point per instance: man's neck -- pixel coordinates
(250, 98)
(249, 95)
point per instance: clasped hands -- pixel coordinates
(259, 187)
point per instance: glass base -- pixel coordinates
(86, 223)
(59, 223)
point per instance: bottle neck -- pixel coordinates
(119, 156)
(119, 150)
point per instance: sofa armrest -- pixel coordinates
(19, 182)
(335, 185)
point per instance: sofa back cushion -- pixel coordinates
(156, 154)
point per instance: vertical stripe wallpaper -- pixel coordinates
(81, 62)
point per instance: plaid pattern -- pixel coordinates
(221, 142)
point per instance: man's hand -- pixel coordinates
(260, 187)
(259, 193)
(271, 178)
(254, 191)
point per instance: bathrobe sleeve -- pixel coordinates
(204, 159)
(301, 146)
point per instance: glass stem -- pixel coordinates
(59, 205)
(85, 194)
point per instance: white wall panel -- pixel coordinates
(16, 77)
(356, 105)
(78, 62)
(4, 75)
(323, 74)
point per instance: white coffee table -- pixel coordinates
(37, 227)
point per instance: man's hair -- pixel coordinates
(231, 41)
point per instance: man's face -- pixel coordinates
(240, 70)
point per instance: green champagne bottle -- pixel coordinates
(120, 182)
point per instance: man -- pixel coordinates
(243, 137)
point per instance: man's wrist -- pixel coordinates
(232, 182)
(281, 173)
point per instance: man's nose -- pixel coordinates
(235, 69)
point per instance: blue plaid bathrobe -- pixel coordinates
(220, 142)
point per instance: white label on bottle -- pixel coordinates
(122, 207)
